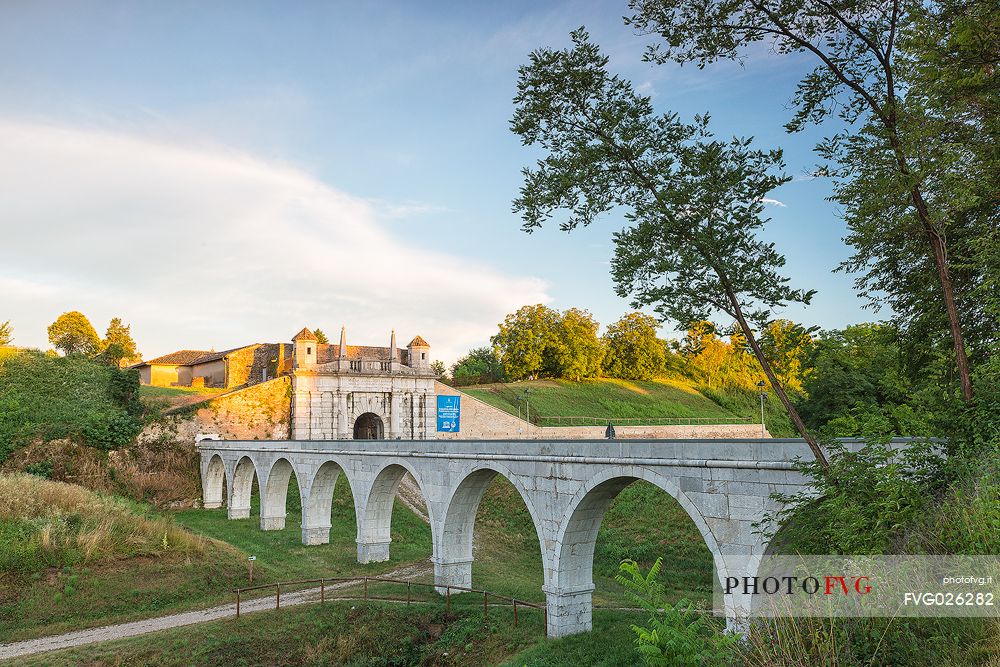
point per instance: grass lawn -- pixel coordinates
(147, 390)
(358, 633)
(603, 398)
(281, 556)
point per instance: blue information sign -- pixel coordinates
(449, 413)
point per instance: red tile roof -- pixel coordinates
(178, 358)
(418, 342)
(305, 334)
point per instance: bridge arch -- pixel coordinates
(318, 503)
(242, 488)
(214, 482)
(570, 587)
(274, 494)
(454, 543)
(374, 515)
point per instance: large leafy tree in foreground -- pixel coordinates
(695, 202)
(890, 165)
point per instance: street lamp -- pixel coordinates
(763, 395)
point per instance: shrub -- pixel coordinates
(676, 634)
(863, 504)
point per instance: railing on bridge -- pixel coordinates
(637, 421)
(410, 585)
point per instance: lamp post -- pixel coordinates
(527, 411)
(763, 395)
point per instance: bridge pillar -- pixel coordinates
(272, 522)
(312, 535)
(452, 573)
(570, 611)
(373, 552)
(239, 512)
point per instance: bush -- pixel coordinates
(45, 398)
(677, 634)
(863, 504)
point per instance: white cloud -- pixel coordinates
(200, 247)
(773, 202)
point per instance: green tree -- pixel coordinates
(118, 345)
(73, 333)
(859, 79)
(528, 343)
(580, 351)
(321, 337)
(787, 346)
(438, 367)
(696, 202)
(632, 350)
(6, 333)
(480, 366)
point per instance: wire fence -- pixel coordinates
(637, 421)
(389, 590)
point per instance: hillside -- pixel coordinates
(603, 399)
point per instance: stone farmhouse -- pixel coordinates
(228, 369)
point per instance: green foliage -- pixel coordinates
(862, 384)
(439, 369)
(73, 333)
(580, 351)
(42, 468)
(632, 349)
(320, 336)
(480, 366)
(118, 346)
(537, 342)
(675, 634)
(47, 398)
(528, 342)
(6, 333)
(864, 503)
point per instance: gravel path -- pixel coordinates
(122, 630)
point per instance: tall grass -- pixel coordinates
(45, 524)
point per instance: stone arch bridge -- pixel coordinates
(723, 485)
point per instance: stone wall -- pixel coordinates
(258, 412)
(240, 364)
(482, 421)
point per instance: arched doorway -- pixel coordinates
(368, 427)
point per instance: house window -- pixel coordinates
(423, 355)
(309, 350)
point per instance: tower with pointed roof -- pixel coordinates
(305, 345)
(419, 353)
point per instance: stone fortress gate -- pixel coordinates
(342, 392)
(723, 485)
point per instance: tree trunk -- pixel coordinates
(793, 414)
(940, 253)
(944, 277)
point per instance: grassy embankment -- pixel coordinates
(71, 559)
(623, 399)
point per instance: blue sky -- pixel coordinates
(228, 172)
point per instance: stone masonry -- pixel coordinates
(725, 486)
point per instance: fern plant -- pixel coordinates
(675, 634)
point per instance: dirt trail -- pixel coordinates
(134, 628)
